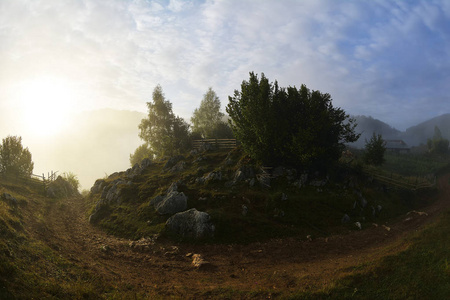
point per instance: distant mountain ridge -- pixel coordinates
(413, 136)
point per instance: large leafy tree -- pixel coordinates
(14, 159)
(162, 131)
(207, 119)
(291, 126)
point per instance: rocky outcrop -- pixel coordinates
(170, 203)
(191, 224)
(111, 194)
(171, 162)
(138, 169)
(60, 188)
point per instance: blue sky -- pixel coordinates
(388, 59)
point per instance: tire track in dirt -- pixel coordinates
(282, 264)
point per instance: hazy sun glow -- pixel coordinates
(45, 104)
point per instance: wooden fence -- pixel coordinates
(398, 181)
(219, 143)
(51, 176)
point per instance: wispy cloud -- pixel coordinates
(381, 58)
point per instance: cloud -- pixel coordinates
(379, 57)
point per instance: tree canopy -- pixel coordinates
(289, 126)
(14, 159)
(162, 131)
(374, 150)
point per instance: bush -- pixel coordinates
(375, 149)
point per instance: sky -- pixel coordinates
(382, 58)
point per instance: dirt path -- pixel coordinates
(284, 264)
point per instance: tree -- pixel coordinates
(141, 152)
(374, 150)
(162, 131)
(14, 159)
(207, 119)
(438, 144)
(291, 126)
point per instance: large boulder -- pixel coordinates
(191, 224)
(172, 203)
(98, 186)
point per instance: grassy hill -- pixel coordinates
(48, 250)
(243, 211)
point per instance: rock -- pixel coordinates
(204, 147)
(138, 169)
(264, 180)
(239, 176)
(213, 176)
(10, 199)
(318, 183)
(173, 161)
(180, 166)
(345, 219)
(251, 182)
(98, 186)
(172, 203)
(173, 187)
(284, 197)
(198, 261)
(113, 196)
(244, 210)
(363, 202)
(144, 243)
(191, 224)
(358, 225)
(200, 180)
(156, 201)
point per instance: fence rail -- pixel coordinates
(410, 183)
(219, 143)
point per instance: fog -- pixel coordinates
(91, 145)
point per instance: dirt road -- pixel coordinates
(166, 269)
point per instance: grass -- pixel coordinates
(420, 272)
(309, 210)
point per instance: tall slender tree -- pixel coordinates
(162, 131)
(207, 119)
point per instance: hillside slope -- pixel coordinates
(60, 255)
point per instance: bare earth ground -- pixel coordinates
(164, 268)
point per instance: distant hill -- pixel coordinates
(419, 134)
(368, 125)
(413, 136)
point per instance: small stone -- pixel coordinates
(198, 261)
